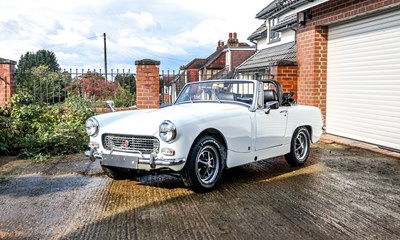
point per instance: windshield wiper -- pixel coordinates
(187, 94)
(216, 96)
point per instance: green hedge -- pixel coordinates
(39, 131)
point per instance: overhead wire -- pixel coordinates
(129, 52)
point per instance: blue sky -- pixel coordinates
(171, 31)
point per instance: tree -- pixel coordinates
(127, 81)
(92, 85)
(126, 90)
(48, 86)
(31, 60)
(41, 57)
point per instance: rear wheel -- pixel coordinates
(204, 164)
(299, 147)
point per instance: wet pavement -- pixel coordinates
(342, 193)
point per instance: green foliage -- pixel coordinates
(40, 58)
(5, 135)
(31, 60)
(44, 85)
(94, 86)
(127, 81)
(41, 130)
(124, 98)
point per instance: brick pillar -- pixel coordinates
(147, 84)
(7, 83)
(312, 55)
(287, 77)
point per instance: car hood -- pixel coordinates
(146, 122)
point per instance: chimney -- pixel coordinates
(220, 44)
(235, 40)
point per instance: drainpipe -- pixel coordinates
(255, 43)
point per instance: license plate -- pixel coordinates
(120, 161)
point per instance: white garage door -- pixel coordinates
(363, 86)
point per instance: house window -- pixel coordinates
(274, 36)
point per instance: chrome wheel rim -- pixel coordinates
(301, 145)
(207, 164)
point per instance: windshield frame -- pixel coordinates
(252, 106)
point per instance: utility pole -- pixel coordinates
(105, 55)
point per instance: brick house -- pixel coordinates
(276, 49)
(192, 69)
(348, 64)
(221, 63)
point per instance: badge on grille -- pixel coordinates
(126, 143)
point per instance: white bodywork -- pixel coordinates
(248, 135)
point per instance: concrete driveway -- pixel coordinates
(342, 193)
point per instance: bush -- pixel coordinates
(43, 85)
(42, 130)
(94, 86)
(124, 98)
(5, 135)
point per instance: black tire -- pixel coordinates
(299, 147)
(115, 173)
(204, 165)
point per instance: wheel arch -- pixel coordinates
(218, 135)
(309, 128)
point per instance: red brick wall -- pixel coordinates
(312, 66)
(192, 75)
(147, 84)
(7, 84)
(312, 41)
(239, 56)
(287, 77)
(218, 63)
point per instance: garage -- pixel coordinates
(363, 80)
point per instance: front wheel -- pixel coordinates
(204, 164)
(299, 147)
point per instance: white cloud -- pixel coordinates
(66, 56)
(168, 30)
(143, 20)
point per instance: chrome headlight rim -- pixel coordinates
(92, 127)
(167, 131)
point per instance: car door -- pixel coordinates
(270, 127)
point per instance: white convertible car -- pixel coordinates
(213, 125)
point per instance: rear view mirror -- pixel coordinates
(110, 105)
(272, 104)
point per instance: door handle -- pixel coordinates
(284, 112)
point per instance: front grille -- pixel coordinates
(129, 143)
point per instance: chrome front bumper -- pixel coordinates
(128, 161)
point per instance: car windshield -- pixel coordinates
(235, 91)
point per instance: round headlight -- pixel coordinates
(92, 127)
(167, 131)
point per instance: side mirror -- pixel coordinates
(110, 105)
(271, 105)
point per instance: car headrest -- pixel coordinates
(226, 96)
(270, 95)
